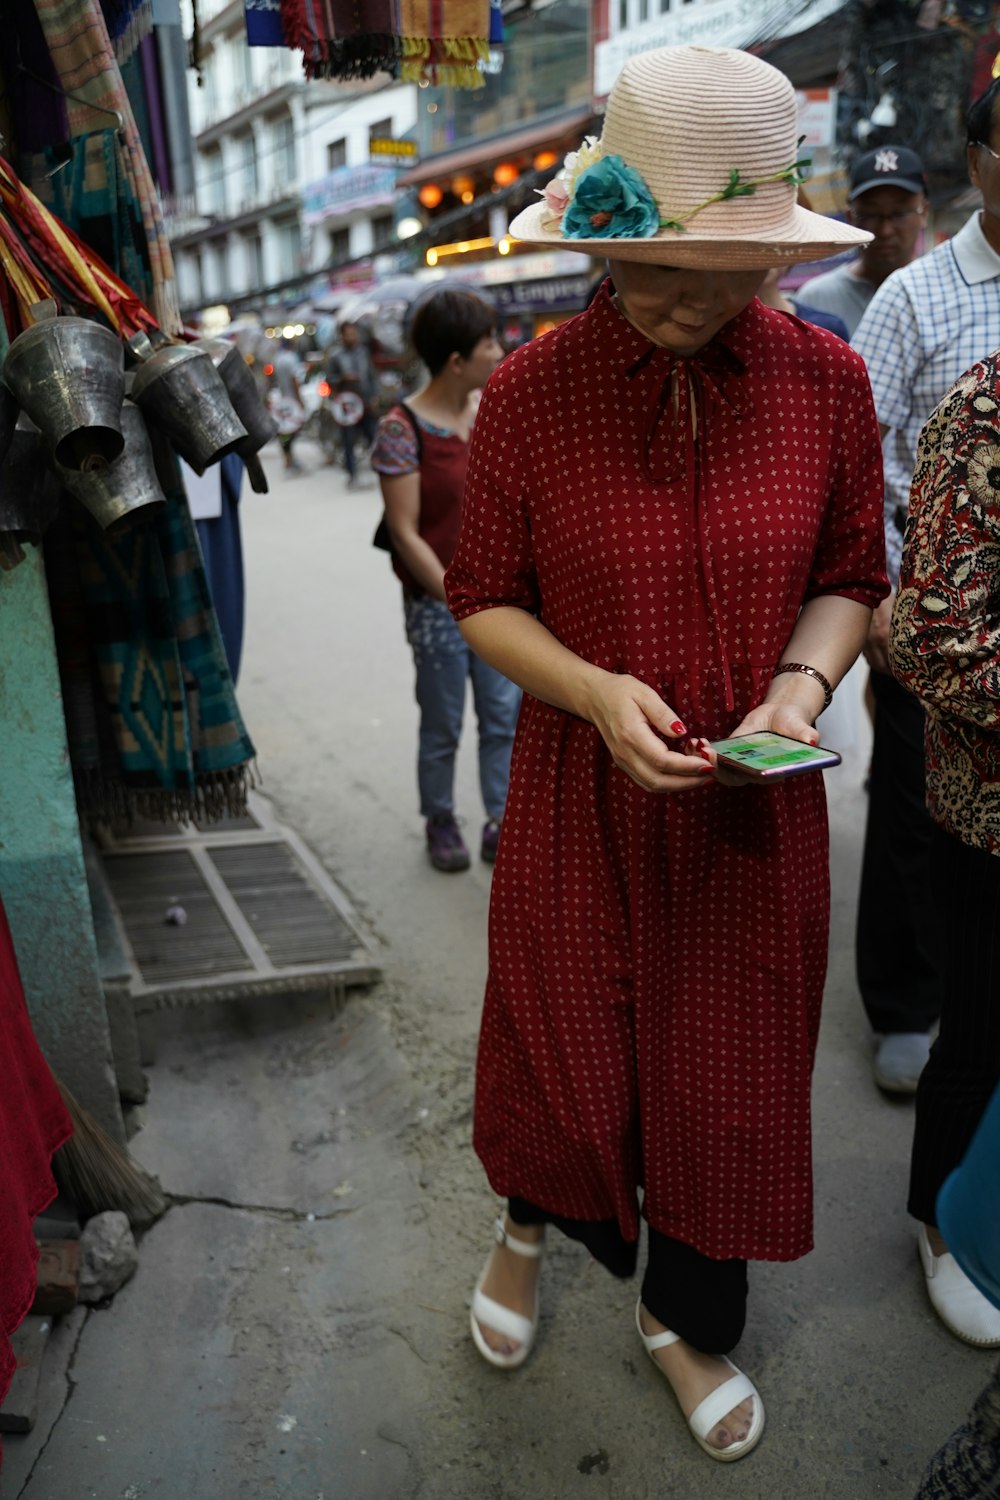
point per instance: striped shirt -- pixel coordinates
(924, 327)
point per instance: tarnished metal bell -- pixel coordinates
(180, 390)
(116, 494)
(247, 404)
(68, 375)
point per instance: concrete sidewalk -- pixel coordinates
(297, 1329)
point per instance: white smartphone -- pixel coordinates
(767, 756)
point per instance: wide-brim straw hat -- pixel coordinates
(686, 119)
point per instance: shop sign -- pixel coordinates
(711, 23)
(346, 189)
(552, 295)
(817, 116)
(381, 148)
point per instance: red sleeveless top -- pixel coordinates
(403, 445)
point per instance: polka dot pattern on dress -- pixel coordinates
(657, 962)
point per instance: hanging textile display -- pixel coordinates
(152, 722)
(33, 1124)
(443, 42)
(128, 22)
(93, 191)
(84, 64)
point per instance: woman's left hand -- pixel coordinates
(780, 718)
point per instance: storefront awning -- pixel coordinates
(476, 154)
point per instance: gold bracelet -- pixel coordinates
(801, 666)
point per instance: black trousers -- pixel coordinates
(702, 1300)
(964, 1065)
(897, 967)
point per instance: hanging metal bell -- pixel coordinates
(68, 374)
(243, 393)
(180, 390)
(115, 494)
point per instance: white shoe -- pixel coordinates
(503, 1319)
(959, 1304)
(710, 1412)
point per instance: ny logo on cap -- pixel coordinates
(886, 161)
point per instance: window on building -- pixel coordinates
(214, 182)
(336, 154)
(381, 130)
(381, 231)
(249, 185)
(664, 7)
(283, 149)
(254, 262)
(340, 246)
(622, 15)
(211, 273)
(289, 237)
(643, 11)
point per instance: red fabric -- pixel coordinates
(657, 962)
(33, 1122)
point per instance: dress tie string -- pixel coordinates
(683, 392)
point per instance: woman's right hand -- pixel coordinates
(634, 721)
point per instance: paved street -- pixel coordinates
(297, 1329)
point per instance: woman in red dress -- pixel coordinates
(672, 533)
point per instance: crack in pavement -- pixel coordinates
(289, 1215)
(71, 1385)
(408, 1342)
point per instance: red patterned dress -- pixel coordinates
(657, 961)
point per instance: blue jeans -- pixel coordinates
(349, 436)
(444, 665)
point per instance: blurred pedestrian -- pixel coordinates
(349, 367)
(772, 296)
(421, 453)
(286, 402)
(967, 1465)
(671, 532)
(887, 196)
(924, 326)
(945, 648)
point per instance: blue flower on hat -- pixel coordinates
(610, 201)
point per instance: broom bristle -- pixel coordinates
(98, 1174)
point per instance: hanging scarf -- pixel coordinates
(152, 722)
(84, 63)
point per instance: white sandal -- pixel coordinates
(710, 1412)
(502, 1319)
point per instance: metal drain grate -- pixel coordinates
(289, 918)
(262, 915)
(143, 887)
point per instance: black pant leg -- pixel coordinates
(897, 969)
(601, 1237)
(964, 1066)
(703, 1300)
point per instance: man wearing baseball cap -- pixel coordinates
(888, 197)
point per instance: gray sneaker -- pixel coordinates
(900, 1059)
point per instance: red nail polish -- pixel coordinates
(677, 727)
(706, 755)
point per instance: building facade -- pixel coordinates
(284, 183)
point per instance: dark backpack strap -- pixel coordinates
(382, 540)
(411, 418)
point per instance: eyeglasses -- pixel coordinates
(872, 221)
(995, 154)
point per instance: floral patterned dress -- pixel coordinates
(945, 625)
(657, 962)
